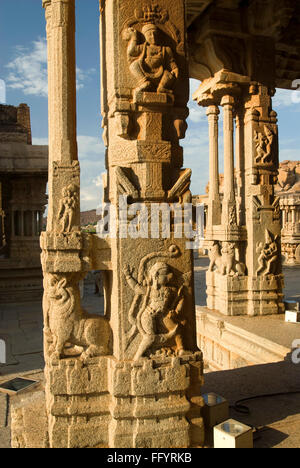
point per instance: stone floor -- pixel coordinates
(21, 328)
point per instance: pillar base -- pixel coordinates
(244, 295)
(105, 403)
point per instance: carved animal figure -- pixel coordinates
(224, 262)
(286, 178)
(67, 323)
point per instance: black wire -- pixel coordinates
(7, 411)
(243, 409)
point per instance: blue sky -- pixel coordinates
(23, 68)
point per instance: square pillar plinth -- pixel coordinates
(109, 403)
(243, 295)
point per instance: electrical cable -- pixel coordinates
(243, 409)
(7, 410)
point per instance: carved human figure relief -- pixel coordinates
(66, 323)
(68, 206)
(156, 310)
(268, 255)
(223, 260)
(232, 216)
(264, 144)
(151, 63)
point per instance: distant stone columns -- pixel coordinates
(245, 268)
(214, 211)
(224, 213)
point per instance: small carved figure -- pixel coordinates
(268, 255)
(264, 143)
(232, 216)
(224, 261)
(152, 64)
(67, 323)
(67, 208)
(286, 178)
(157, 317)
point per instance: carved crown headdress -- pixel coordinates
(152, 14)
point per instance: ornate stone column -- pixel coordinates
(229, 205)
(214, 209)
(133, 377)
(65, 249)
(144, 111)
(240, 166)
(60, 17)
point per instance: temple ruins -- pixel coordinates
(23, 180)
(133, 377)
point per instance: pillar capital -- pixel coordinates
(227, 100)
(213, 110)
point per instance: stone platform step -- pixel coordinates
(234, 342)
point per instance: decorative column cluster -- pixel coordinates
(244, 242)
(133, 377)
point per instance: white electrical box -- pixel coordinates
(233, 434)
(292, 316)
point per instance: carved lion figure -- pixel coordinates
(224, 262)
(286, 178)
(67, 323)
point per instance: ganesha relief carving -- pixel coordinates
(156, 313)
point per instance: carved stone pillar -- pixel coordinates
(228, 205)
(214, 211)
(65, 248)
(60, 17)
(240, 166)
(132, 378)
(144, 111)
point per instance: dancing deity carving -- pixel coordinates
(156, 311)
